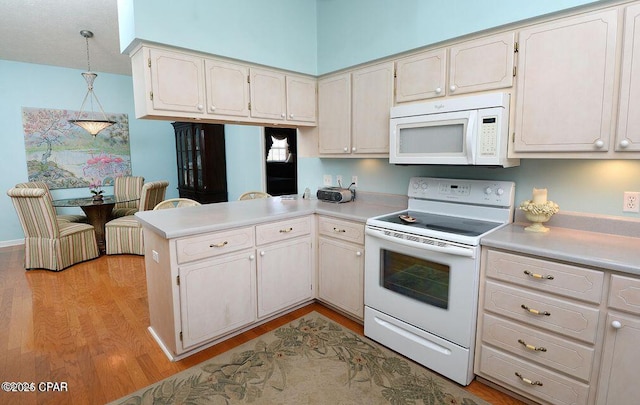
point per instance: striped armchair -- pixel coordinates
(50, 244)
(127, 187)
(61, 218)
(124, 235)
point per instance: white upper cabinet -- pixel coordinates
(334, 114)
(628, 134)
(268, 94)
(421, 76)
(476, 65)
(372, 98)
(482, 64)
(301, 99)
(227, 88)
(177, 82)
(565, 84)
(171, 84)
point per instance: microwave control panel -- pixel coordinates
(488, 136)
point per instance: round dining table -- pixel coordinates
(98, 212)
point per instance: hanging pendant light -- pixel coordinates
(92, 124)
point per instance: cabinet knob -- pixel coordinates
(438, 90)
(452, 88)
(345, 149)
(262, 253)
(212, 108)
(624, 144)
(200, 107)
(252, 257)
(599, 144)
(290, 115)
(353, 149)
(283, 115)
(358, 253)
(616, 324)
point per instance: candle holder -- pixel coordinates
(538, 213)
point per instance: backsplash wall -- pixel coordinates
(587, 186)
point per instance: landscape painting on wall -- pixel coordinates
(66, 156)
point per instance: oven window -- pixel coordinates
(416, 278)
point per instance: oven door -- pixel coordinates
(427, 283)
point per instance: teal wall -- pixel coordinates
(280, 33)
(29, 85)
(351, 32)
(245, 162)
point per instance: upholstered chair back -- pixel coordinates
(35, 211)
(128, 187)
(35, 184)
(43, 186)
(152, 194)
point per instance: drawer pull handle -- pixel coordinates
(221, 244)
(538, 276)
(286, 230)
(528, 381)
(339, 230)
(532, 347)
(535, 311)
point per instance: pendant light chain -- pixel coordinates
(86, 39)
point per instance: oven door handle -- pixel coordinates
(449, 249)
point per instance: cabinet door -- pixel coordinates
(565, 84)
(482, 64)
(618, 382)
(628, 135)
(217, 296)
(421, 76)
(177, 81)
(284, 275)
(268, 94)
(372, 98)
(340, 275)
(301, 99)
(227, 88)
(334, 110)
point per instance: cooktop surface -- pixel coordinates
(442, 223)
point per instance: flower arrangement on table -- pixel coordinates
(96, 189)
(538, 210)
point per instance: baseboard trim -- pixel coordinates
(7, 243)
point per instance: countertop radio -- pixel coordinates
(336, 194)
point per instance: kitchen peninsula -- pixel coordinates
(219, 269)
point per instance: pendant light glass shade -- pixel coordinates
(91, 124)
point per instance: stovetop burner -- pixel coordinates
(442, 223)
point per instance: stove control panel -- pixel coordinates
(483, 192)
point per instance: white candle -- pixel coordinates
(539, 195)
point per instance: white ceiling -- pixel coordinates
(48, 32)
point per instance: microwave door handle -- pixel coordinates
(470, 138)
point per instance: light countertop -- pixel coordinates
(617, 252)
(186, 221)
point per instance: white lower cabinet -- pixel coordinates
(285, 264)
(217, 296)
(617, 383)
(204, 288)
(558, 333)
(284, 275)
(341, 265)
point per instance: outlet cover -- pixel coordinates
(327, 180)
(631, 203)
(354, 180)
(339, 181)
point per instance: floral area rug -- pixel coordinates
(312, 360)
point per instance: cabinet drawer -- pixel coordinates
(549, 350)
(557, 315)
(562, 279)
(214, 244)
(341, 229)
(544, 384)
(625, 294)
(282, 230)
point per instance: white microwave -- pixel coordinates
(470, 130)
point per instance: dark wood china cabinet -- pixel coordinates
(202, 172)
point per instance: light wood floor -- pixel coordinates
(87, 327)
